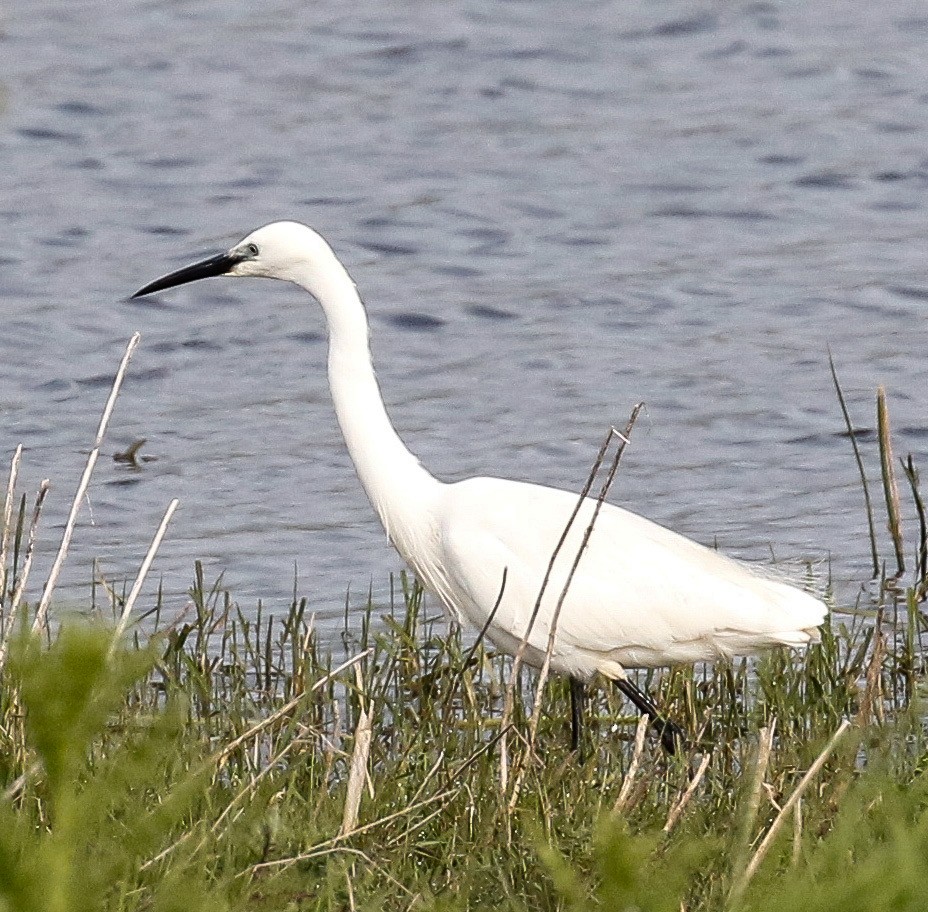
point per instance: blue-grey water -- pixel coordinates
(552, 211)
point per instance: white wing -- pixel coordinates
(641, 596)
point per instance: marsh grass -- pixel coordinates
(211, 767)
(218, 759)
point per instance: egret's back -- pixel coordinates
(641, 596)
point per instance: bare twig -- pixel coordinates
(552, 633)
(253, 783)
(323, 847)
(629, 780)
(218, 758)
(358, 773)
(140, 578)
(480, 637)
(523, 644)
(7, 516)
(41, 614)
(676, 812)
(779, 820)
(24, 575)
(485, 748)
(888, 471)
(287, 707)
(555, 617)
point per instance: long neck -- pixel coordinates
(399, 488)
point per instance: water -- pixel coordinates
(551, 217)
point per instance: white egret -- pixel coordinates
(642, 596)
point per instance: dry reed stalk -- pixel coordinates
(16, 786)
(7, 516)
(41, 615)
(412, 828)
(323, 848)
(523, 644)
(797, 834)
(436, 766)
(552, 633)
(890, 487)
(140, 578)
(348, 875)
(288, 707)
(330, 750)
(871, 703)
(473, 649)
(629, 780)
(222, 755)
(784, 812)
(10, 618)
(383, 872)
(299, 668)
(253, 783)
(473, 758)
(761, 762)
(676, 812)
(358, 772)
(764, 750)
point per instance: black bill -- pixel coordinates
(214, 266)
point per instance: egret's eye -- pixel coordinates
(251, 249)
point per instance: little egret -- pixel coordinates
(642, 596)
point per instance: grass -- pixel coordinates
(228, 764)
(226, 761)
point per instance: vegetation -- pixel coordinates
(228, 765)
(225, 761)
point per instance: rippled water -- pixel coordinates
(551, 217)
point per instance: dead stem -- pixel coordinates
(629, 780)
(676, 812)
(888, 472)
(552, 633)
(358, 771)
(41, 615)
(10, 619)
(523, 644)
(777, 824)
(761, 762)
(140, 578)
(7, 516)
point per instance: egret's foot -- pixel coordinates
(670, 733)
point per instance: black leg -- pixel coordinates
(669, 731)
(576, 715)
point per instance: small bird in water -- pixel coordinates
(131, 454)
(642, 595)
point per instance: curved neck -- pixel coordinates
(393, 478)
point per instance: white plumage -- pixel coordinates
(642, 595)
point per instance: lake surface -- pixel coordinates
(550, 216)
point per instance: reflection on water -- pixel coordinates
(550, 218)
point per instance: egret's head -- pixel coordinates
(281, 250)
